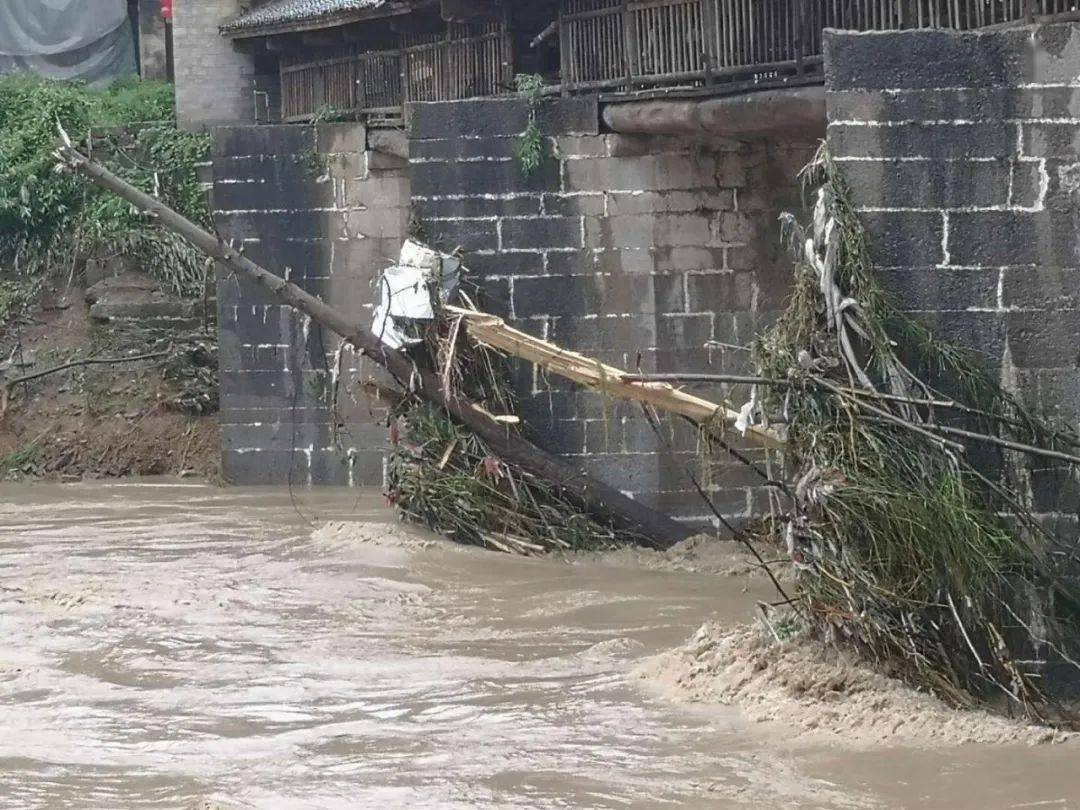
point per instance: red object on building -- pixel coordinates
(166, 9)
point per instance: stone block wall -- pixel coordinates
(309, 203)
(963, 152)
(214, 80)
(653, 254)
(663, 254)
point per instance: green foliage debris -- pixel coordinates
(19, 461)
(530, 149)
(444, 476)
(905, 545)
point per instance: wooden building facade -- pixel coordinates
(463, 61)
(372, 57)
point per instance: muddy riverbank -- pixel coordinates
(172, 645)
(105, 421)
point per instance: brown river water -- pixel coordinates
(170, 645)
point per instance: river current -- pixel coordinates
(171, 645)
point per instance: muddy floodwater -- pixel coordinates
(171, 645)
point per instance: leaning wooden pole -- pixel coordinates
(603, 502)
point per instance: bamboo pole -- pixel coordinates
(598, 499)
(10, 385)
(494, 332)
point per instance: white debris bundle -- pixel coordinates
(409, 289)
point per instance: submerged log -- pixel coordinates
(603, 502)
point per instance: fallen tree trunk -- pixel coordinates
(598, 499)
(613, 382)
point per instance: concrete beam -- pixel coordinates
(471, 11)
(768, 112)
(390, 142)
(330, 38)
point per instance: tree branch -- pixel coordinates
(89, 361)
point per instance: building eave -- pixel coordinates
(335, 20)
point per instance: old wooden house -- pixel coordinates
(324, 58)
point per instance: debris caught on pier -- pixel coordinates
(905, 545)
(443, 475)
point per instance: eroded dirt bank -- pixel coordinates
(172, 645)
(103, 421)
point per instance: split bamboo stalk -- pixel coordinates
(603, 502)
(493, 331)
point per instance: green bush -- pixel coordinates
(50, 221)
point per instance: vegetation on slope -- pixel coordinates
(51, 222)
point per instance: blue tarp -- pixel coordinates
(86, 40)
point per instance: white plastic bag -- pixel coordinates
(406, 290)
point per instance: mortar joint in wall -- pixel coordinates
(946, 259)
(912, 159)
(1044, 186)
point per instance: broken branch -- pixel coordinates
(1006, 443)
(9, 386)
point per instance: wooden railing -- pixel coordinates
(464, 62)
(959, 14)
(665, 36)
(369, 82)
(629, 44)
(762, 35)
(624, 45)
